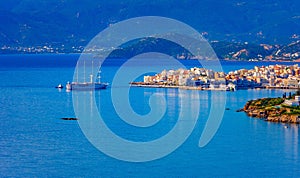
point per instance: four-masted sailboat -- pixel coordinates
(91, 85)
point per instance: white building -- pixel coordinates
(291, 102)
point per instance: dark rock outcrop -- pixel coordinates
(69, 118)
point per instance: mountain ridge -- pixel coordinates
(74, 22)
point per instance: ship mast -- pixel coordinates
(77, 71)
(84, 71)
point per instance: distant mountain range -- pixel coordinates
(73, 23)
(224, 50)
(257, 52)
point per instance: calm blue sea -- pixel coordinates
(34, 141)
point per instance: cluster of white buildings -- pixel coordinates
(270, 76)
(196, 77)
(264, 76)
(292, 102)
(41, 49)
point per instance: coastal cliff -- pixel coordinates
(273, 110)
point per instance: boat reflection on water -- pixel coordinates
(122, 132)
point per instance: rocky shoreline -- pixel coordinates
(272, 110)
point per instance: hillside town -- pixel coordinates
(272, 76)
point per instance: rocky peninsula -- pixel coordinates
(284, 110)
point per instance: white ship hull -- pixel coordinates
(86, 86)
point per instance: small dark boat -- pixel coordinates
(69, 118)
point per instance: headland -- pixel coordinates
(282, 109)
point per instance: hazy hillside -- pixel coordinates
(75, 22)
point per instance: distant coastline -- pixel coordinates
(78, 54)
(229, 51)
(38, 54)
